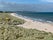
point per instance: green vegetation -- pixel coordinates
(11, 20)
(9, 30)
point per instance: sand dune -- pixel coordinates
(30, 24)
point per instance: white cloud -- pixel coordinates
(1, 6)
(20, 7)
(47, 0)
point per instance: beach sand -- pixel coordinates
(30, 24)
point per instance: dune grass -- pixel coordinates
(9, 30)
(7, 18)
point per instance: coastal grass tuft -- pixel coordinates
(9, 30)
(11, 20)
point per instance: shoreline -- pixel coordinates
(30, 24)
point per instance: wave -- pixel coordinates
(35, 19)
(50, 22)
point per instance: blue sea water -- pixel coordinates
(39, 16)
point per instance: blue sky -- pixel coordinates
(28, 1)
(27, 5)
(21, 1)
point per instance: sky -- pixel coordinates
(27, 1)
(27, 5)
(22, 1)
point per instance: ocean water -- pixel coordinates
(38, 16)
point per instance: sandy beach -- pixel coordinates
(30, 24)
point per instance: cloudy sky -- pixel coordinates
(27, 5)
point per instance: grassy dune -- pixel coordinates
(9, 30)
(7, 18)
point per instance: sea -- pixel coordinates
(37, 16)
